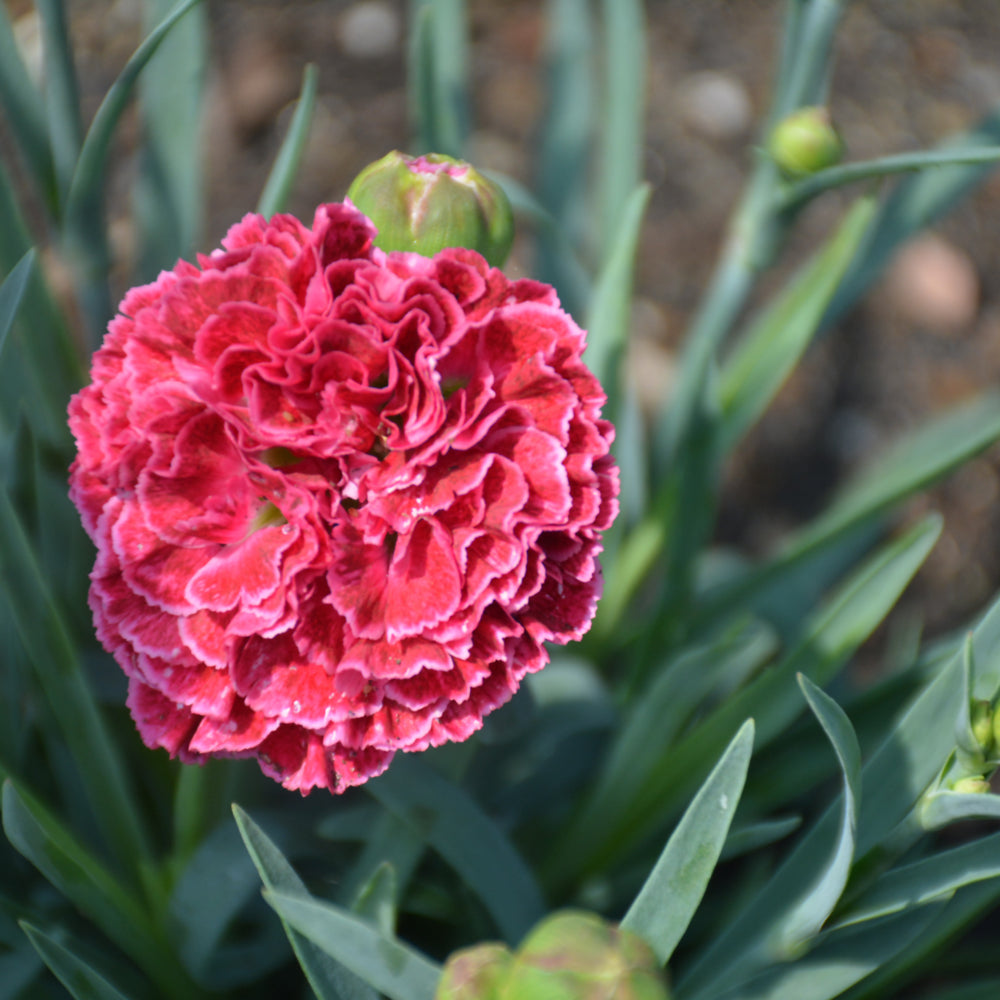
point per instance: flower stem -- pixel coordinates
(796, 195)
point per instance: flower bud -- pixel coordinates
(426, 203)
(972, 785)
(575, 955)
(981, 718)
(805, 142)
(474, 973)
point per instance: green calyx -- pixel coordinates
(426, 203)
(571, 955)
(806, 142)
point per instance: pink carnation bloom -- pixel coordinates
(341, 498)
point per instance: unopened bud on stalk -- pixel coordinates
(578, 956)
(981, 717)
(474, 973)
(806, 142)
(973, 785)
(426, 203)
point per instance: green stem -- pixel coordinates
(797, 194)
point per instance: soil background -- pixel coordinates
(907, 75)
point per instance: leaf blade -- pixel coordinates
(327, 977)
(385, 963)
(274, 197)
(664, 906)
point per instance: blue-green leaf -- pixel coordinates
(11, 293)
(622, 135)
(926, 880)
(390, 966)
(743, 839)
(804, 921)
(611, 305)
(894, 779)
(61, 92)
(327, 977)
(274, 197)
(80, 978)
(670, 895)
(168, 195)
(838, 962)
(775, 342)
(466, 838)
(912, 464)
(25, 113)
(53, 657)
(438, 74)
(565, 143)
(86, 236)
(944, 807)
(38, 835)
(211, 892)
(376, 900)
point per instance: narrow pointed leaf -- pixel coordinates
(894, 779)
(86, 236)
(454, 825)
(88, 176)
(25, 113)
(743, 839)
(439, 75)
(385, 963)
(912, 464)
(611, 305)
(776, 341)
(829, 639)
(169, 202)
(11, 293)
(210, 896)
(806, 919)
(622, 135)
(671, 894)
(929, 879)
(565, 142)
(85, 882)
(328, 978)
(840, 961)
(376, 901)
(945, 807)
(643, 741)
(61, 92)
(279, 184)
(60, 675)
(82, 981)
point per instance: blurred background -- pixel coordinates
(907, 75)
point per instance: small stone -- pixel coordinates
(934, 284)
(715, 104)
(370, 30)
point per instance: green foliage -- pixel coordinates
(623, 776)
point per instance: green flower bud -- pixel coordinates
(427, 203)
(474, 973)
(981, 717)
(973, 785)
(805, 142)
(575, 955)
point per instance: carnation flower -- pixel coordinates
(341, 498)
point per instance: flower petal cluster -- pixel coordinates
(341, 498)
